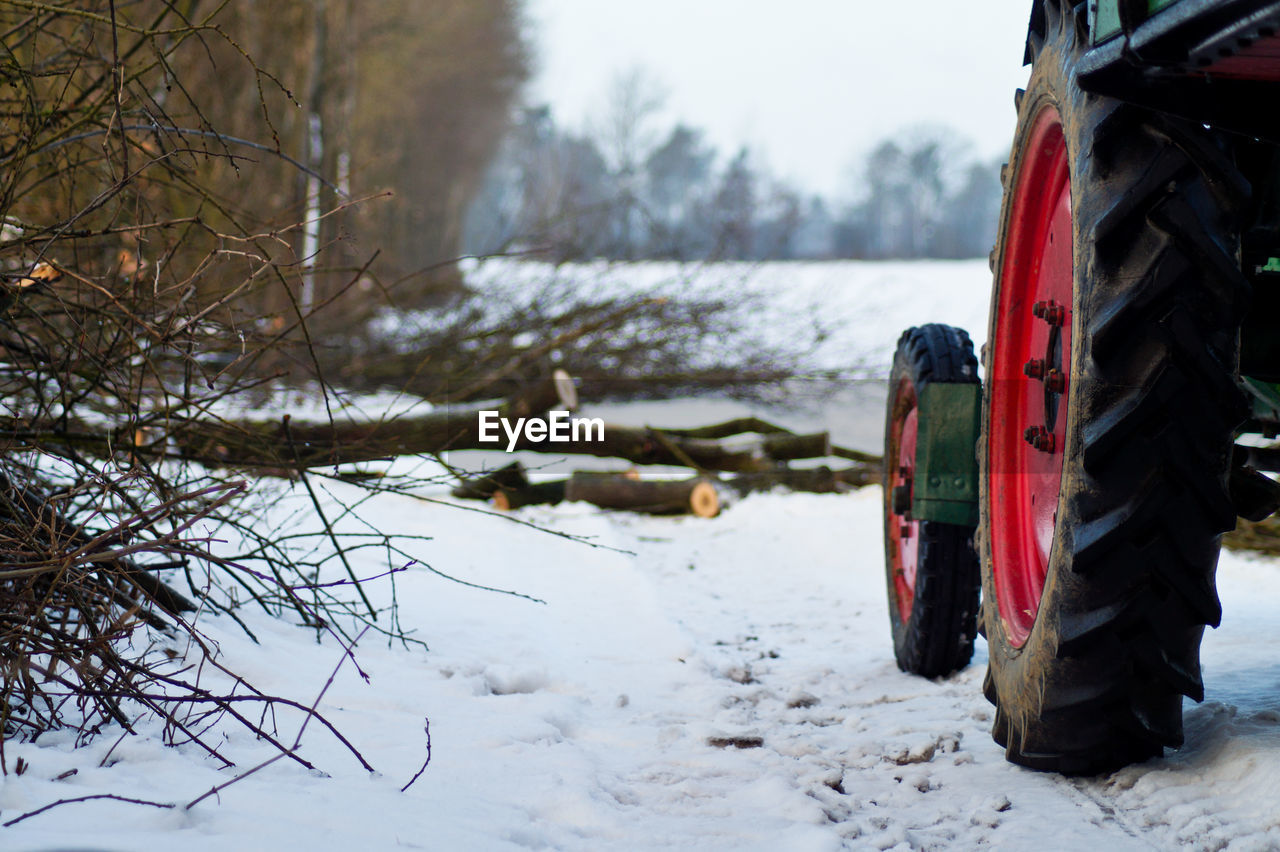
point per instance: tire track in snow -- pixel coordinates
(783, 609)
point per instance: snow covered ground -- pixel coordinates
(860, 307)
(679, 683)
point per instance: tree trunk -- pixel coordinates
(285, 445)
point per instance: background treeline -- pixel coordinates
(401, 100)
(339, 142)
(621, 190)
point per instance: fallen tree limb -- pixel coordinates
(644, 445)
(318, 444)
(285, 447)
(262, 443)
(855, 455)
(280, 447)
(737, 426)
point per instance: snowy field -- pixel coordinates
(860, 308)
(678, 683)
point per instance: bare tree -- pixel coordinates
(627, 137)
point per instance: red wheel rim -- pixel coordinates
(903, 533)
(1030, 377)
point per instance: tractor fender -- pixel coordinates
(946, 481)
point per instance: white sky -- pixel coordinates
(809, 85)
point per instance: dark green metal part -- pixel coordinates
(945, 488)
(1104, 17)
(1264, 400)
(1169, 57)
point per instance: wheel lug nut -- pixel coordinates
(1055, 381)
(1050, 311)
(1034, 368)
(1040, 438)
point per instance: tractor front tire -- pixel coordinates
(931, 570)
(1110, 408)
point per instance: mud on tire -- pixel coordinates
(1151, 412)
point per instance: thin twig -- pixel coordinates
(427, 762)
(297, 741)
(112, 796)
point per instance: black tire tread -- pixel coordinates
(1156, 407)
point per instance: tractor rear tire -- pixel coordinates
(1092, 649)
(931, 570)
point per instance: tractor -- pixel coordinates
(1069, 503)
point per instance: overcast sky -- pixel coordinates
(810, 85)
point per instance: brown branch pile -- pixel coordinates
(674, 341)
(136, 249)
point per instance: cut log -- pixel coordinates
(534, 494)
(509, 488)
(698, 496)
(785, 447)
(556, 392)
(817, 480)
(509, 478)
